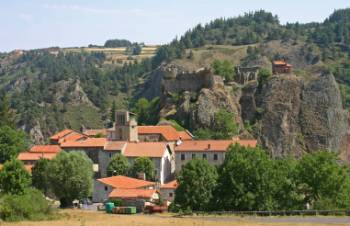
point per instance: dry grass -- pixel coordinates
(80, 218)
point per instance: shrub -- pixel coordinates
(31, 205)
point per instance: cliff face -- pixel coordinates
(290, 115)
(297, 115)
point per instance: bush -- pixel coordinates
(31, 205)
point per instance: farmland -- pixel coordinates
(116, 56)
(80, 218)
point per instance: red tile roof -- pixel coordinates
(86, 143)
(123, 182)
(167, 131)
(185, 135)
(74, 136)
(45, 149)
(115, 145)
(145, 149)
(132, 193)
(95, 132)
(212, 145)
(61, 134)
(28, 156)
(171, 185)
(281, 63)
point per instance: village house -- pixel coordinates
(133, 192)
(281, 67)
(37, 152)
(167, 190)
(211, 150)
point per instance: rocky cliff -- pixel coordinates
(289, 114)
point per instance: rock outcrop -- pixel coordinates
(290, 115)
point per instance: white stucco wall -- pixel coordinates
(199, 154)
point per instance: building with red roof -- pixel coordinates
(168, 190)
(281, 67)
(211, 150)
(104, 186)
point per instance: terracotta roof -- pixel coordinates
(212, 145)
(74, 136)
(171, 185)
(95, 132)
(132, 193)
(145, 149)
(185, 135)
(123, 182)
(279, 62)
(167, 131)
(45, 149)
(61, 134)
(86, 143)
(28, 156)
(114, 145)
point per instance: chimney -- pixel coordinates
(141, 176)
(209, 146)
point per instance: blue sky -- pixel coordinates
(29, 24)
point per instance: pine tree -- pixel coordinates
(113, 109)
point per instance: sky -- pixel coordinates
(30, 24)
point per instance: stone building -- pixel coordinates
(246, 74)
(281, 67)
(211, 150)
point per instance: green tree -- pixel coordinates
(224, 69)
(224, 124)
(323, 179)
(12, 142)
(14, 178)
(147, 111)
(143, 165)
(7, 116)
(118, 165)
(245, 181)
(197, 181)
(112, 115)
(70, 176)
(263, 75)
(223, 127)
(40, 172)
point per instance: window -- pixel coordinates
(170, 194)
(193, 156)
(110, 155)
(106, 188)
(182, 157)
(204, 156)
(215, 157)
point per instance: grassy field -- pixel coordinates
(80, 218)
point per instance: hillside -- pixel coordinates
(55, 88)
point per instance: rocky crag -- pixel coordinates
(288, 114)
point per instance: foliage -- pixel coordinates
(12, 142)
(224, 69)
(245, 181)
(7, 116)
(118, 165)
(263, 75)
(115, 43)
(197, 181)
(70, 176)
(14, 178)
(143, 165)
(322, 178)
(29, 205)
(112, 114)
(223, 127)
(40, 173)
(147, 111)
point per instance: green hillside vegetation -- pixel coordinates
(57, 88)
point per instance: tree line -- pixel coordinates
(250, 180)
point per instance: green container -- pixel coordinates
(132, 210)
(109, 207)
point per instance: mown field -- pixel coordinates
(80, 218)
